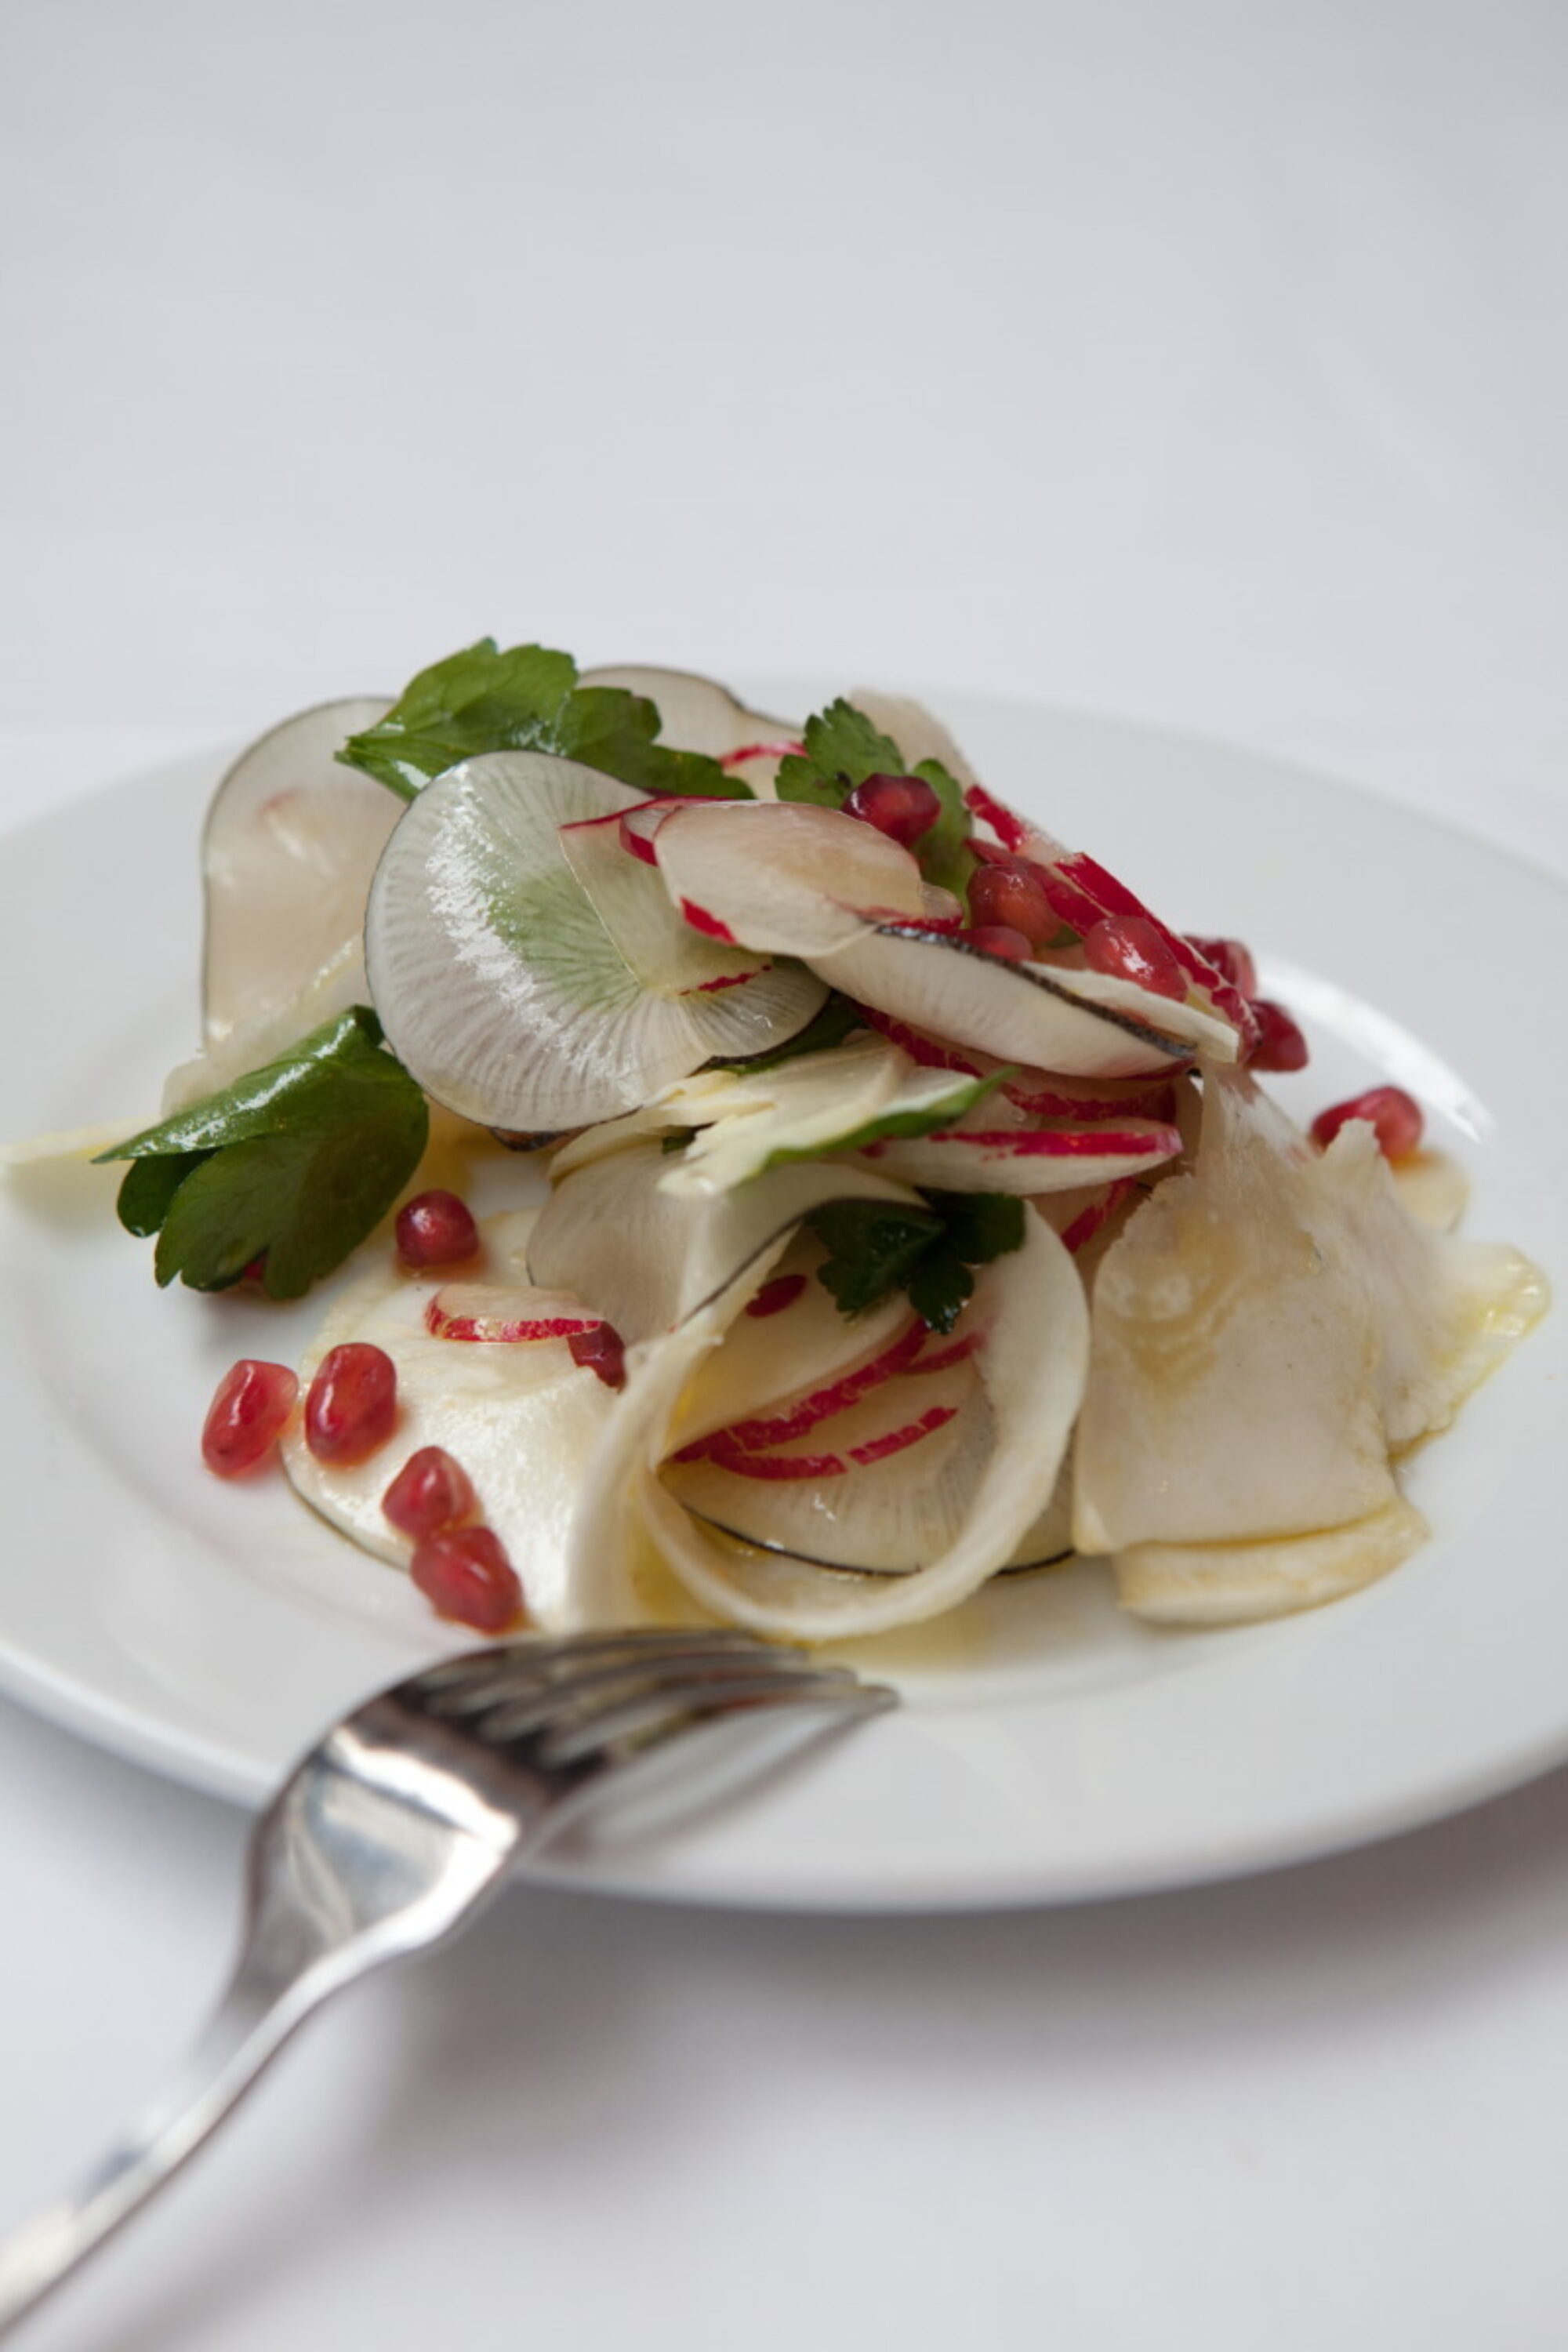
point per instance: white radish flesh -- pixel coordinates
(785, 877)
(497, 983)
(1027, 1161)
(697, 714)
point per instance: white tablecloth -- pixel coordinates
(1204, 363)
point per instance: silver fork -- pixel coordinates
(391, 1833)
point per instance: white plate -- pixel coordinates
(1048, 1750)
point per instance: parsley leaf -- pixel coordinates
(875, 1248)
(837, 1018)
(842, 748)
(526, 699)
(294, 1163)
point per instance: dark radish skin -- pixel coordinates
(1280, 1044)
(1393, 1116)
(246, 1417)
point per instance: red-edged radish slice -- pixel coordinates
(1268, 1329)
(634, 906)
(785, 877)
(1239, 1583)
(290, 842)
(697, 714)
(716, 1418)
(1027, 1160)
(505, 1314)
(498, 984)
(522, 1422)
(645, 1258)
(1030, 1012)
(894, 1480)
(1030, 1371)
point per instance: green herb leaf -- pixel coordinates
(842, 748)
(295, 1162)
(875, 1248)
(838, 1019)
(526, 699)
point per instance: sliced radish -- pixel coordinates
(697, 714)
(498, 984)
(646, 1259)
(894, 1479)
(1027, 1161)
(634, 906)
(1031, 1372)
(832, 1391)
(505, 1314)
(1077, 1022)
(1239, 1583)
(785, 877)
(522, 1422)
(1268, 1329)
(919, 734)
(290, 842)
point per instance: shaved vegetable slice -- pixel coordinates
(1028, 1013)
(1026, 1160)
(632, 905)
(1030, 1370)
(521, 1420)
(786, 875)
(1237, 1583)
(498, 985)
(697, 714)
(1267, 1329)
(1433, 1187)
(290, 844)
(646, 1259)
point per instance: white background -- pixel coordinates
(1205, 364)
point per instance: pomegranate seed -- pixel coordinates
(436, 1229)
(353, 1402)
(245, 1417)
(775, 1295)
(1395, 1115)
(603, 1351)
(1127, 947)
(999, 939)
(1010, 893)
(430, 1492)
(1232, 960)
(903, 807)
(465, 1574)
(1280, 1044)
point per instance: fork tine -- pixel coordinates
(661, 1711)
(555, 1668)
(584, 1698)
(445, 1687)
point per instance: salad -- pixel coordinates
(915, 1209)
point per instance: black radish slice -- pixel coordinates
(290, 842)
(496, 981)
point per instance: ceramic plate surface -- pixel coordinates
(1048, 1749)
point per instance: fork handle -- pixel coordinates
(246, 2030)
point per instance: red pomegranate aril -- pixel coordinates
(436, 1229)
(1009, 894)
(247, 1416)
(903, 807)
(999, 939)
(465, 1575)
(1232, 960)
(1127, 947)
(603, 1351)
(1395, 1116)
(352, 1406)
(1280, 1044)
(430, 1492)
